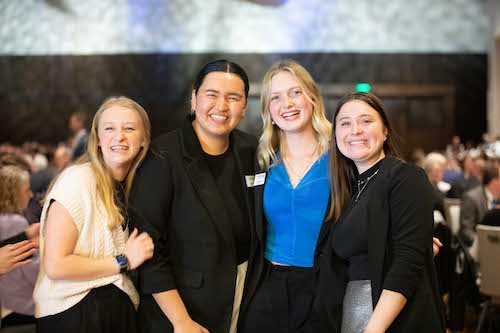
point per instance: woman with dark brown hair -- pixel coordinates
(380, 247)
(194, 194)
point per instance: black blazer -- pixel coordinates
(399, 252)
(175, 199)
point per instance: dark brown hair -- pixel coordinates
(224, 66)
(342, 169)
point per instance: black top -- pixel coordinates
(350, 240)
(398, 208)
(120, 201)
(227, 178)
(176, 201)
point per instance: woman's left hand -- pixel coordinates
(436, 244)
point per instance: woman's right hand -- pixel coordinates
(189, 326)
(15, 255)
(139, 248)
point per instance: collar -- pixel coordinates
(191, 147)
(368, 173)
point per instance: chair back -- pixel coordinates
(489, 259)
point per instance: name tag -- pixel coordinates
(258, 179)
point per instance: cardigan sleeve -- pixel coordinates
(410, 201)
(74, 190)
(149, 211)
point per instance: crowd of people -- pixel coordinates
(317, 226)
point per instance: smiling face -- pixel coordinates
(290, 108)
(121, 136)
(360, 134)
(219, 105)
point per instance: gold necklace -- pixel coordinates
(309, 161)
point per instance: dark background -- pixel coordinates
(429, 96)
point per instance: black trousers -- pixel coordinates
(15, 319)
(104, 309)
(283, 303)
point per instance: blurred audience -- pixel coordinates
(417, 157)
(78, 124)
(455, 149)
(434, 166)
(16, 286)
(41, 179)
(470, 177)
(492, 217)
(477, 201)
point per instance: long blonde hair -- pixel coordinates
(106, 185)
(273, 138)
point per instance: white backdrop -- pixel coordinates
(31, 27)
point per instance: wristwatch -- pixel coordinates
(122, 262)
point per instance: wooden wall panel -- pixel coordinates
(37, 93)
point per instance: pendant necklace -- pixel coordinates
(363, 183)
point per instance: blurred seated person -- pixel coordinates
(417, 157)
(434, 165)
(472, 169)
(36, 155)
(477, 202)
(452, 171)
(34, 209)
(40, 180)
(455, 149)
(492, 217)
(78, 123)
(16, 286)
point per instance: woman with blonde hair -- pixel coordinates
(85, 246)
(293, 151)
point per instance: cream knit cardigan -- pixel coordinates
(76, 191)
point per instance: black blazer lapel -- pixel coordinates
(260, 223)
(204, 183)
(379, 229)
(326, 226)
(244, 154)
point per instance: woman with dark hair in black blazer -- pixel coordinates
(194, 196)
(380, 247)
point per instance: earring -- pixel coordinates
(272, 122)
(385, 139)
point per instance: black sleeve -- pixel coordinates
(149, 209)
(410, 201)
(16, 239)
